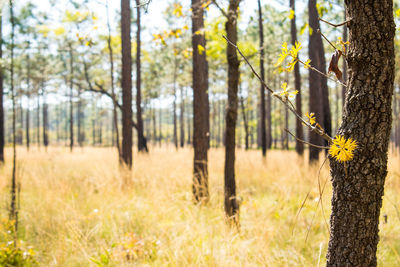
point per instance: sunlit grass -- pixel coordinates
(78, 206)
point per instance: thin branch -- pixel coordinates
(326, 39)
(335, 25)
(312, 128)
(220, 8)
(305, 142)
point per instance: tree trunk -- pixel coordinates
(231, 203)
(142, 146)
(245, 123)
(28, 95)
(314, 79)
(71, 106)
(175, 120)
(263, 130)
(297, 83)
(45, 117)
(269, 120)
(1, 94)
(358, 185)
(126, 83)
(201, 114)
(38, 119)
(114, 98)
(182, 120)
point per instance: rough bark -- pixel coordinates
(126, 83)
(231, 203)
(358, 185)
(142, 146)
(297, 83)
(200, 107)
(315, 103)
(263, 130)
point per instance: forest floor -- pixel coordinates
(81, 209)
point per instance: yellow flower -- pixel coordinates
(311, 118)
(343, 44)
(307, 64)
(285, 92)
(341, 149)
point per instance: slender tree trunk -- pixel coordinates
(297, 83)
(79, 122)
(314, 79)
(245, 123)
(126, 83)
(71, 106)
(13, 205)
(182, 120)
(262, 90)
(141, 139)
(174, 105)
(1, 94)
(231, 203)
(358, 185)
(38, 119)
(28, 95)
(45, 117)
(269, 120)
(201, 115)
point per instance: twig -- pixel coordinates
(305, 142)
(326, 39)
(220, 8)
(312, 128)
(335, 25)
(320, 72)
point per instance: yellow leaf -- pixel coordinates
(291, 14)
(201, 49)
(59, 31)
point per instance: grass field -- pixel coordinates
(81, 209)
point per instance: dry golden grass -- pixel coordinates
(76, 209)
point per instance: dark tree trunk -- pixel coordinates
(126, 83)
(297, 83)
(71, 106)
(142, 146)
(79, 126)
(182, 120)
(269, 120)
(201, 115)
(358, 185)
(231, 203)
(38, 119)
(45, 117)
(263, 130)
(1, 95)
(314, 78)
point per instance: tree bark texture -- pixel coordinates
(358, 185)
(231, 203)
(201, 115)
(126, 83)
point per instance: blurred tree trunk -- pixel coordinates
(263, 130)
(201, 112)
(358, 185)
(38, 119)
(314, 78)
(142, 143)
(45, 117)
(113, 95)
(297, 82)
(126, 83)
(182, 120)
(231, 203)
(28, 95)
(245, 123)
(71, 106)
(269, 119)
(175, 120)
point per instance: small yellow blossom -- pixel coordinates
(311, 118)
(343, 44)
(285, 52)
(307, 64)
(285, 92)
(341, 149)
